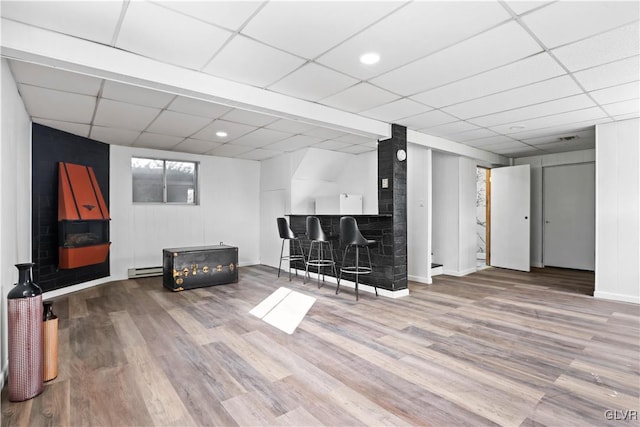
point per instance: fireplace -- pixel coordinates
(83, 218)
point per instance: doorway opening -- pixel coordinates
(483, 217)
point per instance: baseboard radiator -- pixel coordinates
(136, 273)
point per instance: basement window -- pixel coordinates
(164, 181)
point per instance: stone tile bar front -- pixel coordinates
(373, 227)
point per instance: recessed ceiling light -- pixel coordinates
(370, 58)
(221, 134)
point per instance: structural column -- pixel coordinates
(392, 199)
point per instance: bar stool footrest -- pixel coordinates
(356, 270)
(320, 263)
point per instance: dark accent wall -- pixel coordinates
(50, 146)
(393, 200)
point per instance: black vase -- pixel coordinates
(24, 309)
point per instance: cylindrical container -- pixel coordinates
(50, 342)
(24, 309)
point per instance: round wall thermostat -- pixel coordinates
(401, 155)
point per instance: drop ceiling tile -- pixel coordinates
(520, 7)
(427, 120)
(608, 47)
(613, 74)
(229, 150)
(259, 154)
(562, 119)
(624, 107)
(499, 46)
(588, 135)
(357, 149)
(473, 134)
(450, 128)
(248, 117)
(177, 124)
(626, 117)
(80, 129)
(324, 133)
(88, 20)
(517, 151)
(198, 107)
(557, 87)
(261, 137)
(196, 146)
(310, 28)
(157, 141)
(508, 145)
(571, 128)
(563, 147)
(526, 71)
(332, 145)
(227, 14)
(430, 23)
(291, 126)
(122, 115)
(135, 95)
(294, 143)
(233, 130)
(362, 96)
(168, 36)
(116, 136)
(571, 103)
(247, 61)
(396, 110)
(313, 82)
(617, 93)
(54, 78)
(490, 140)
(568, 21)
(55, 105)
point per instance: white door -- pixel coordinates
(510, 212)
(569, 216)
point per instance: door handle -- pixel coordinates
(546, 221)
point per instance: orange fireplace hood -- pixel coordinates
(79, 196)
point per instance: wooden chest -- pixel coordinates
(199, 266)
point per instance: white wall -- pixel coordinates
(228, 211)
(15, 203)
(418, 175)
(454, 213)
(275, 201)
(618, 211)
(360, 176)
(537, 217)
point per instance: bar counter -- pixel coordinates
(377, 227)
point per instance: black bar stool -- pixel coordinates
(287, 234)
(318, 237)
(351, 236)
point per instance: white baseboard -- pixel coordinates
(361, 286)
(617, 297)
(419, 279)
(459, 273)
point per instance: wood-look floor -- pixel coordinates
(497, 347)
